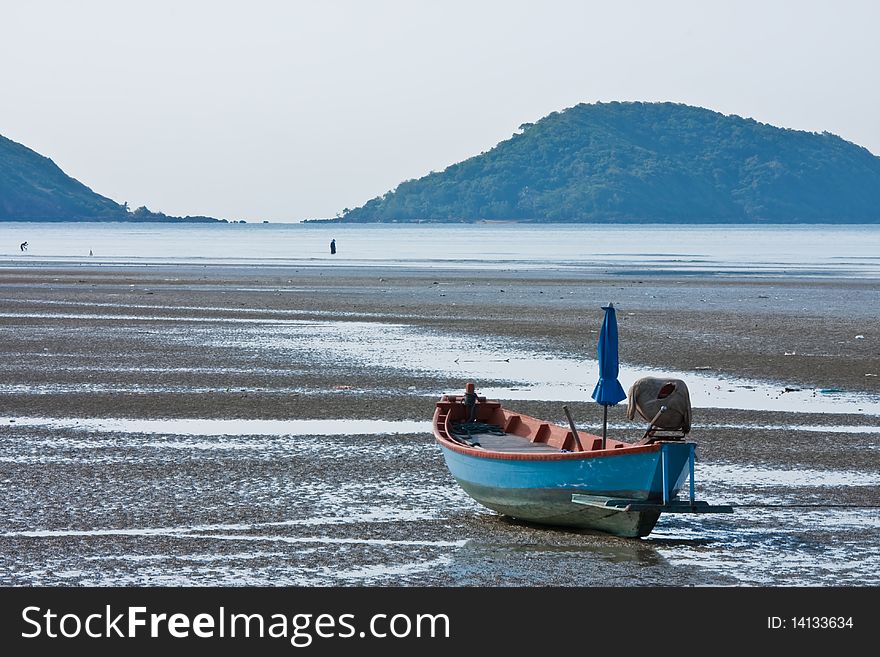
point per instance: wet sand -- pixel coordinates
(125, 507)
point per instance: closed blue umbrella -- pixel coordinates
(608, 390)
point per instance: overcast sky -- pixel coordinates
(285, 110)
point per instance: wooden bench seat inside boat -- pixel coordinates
(514, 432)
(510, 443)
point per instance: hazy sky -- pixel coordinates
(285, 110)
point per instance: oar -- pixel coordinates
(574, 430)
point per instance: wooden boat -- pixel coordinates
(544, 473)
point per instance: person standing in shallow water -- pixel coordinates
(332, 246)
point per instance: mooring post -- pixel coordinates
(665, 477)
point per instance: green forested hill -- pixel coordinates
(646, 162)
(34, 188)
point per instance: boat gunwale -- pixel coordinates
(479, 452)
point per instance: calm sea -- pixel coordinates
(804, 250)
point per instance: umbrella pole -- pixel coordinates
(604, 424)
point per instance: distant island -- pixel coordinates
(34, 188)
(645, 162)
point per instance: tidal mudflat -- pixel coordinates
(210, 425)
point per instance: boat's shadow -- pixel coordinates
(506, 551)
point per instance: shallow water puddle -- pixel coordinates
(204, 427)
(105, 389)
(739, 475)
(115, 317)
(268, 538)
(812, 428)
(539, 375)
(514, 368)
(355, 574)
(210, 557)
(776, 546)
(372, 572)
(215, 427)
(707, 392)
(257, 569)
(367, 516)
(225, 310)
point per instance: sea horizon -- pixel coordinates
(801, 250)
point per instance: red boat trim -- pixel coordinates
(455, 406)
(544, 456)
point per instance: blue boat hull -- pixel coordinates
(573, 492)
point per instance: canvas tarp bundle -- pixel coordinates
(648, 395)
